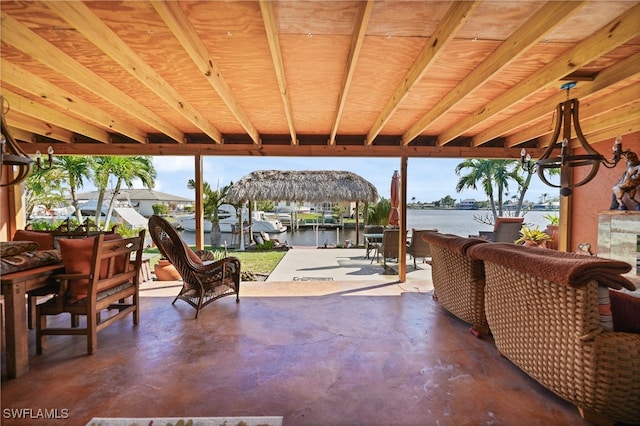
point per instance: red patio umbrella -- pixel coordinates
(394, 216)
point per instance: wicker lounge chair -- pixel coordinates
(543, 310)
(202, 281)
(458, 281)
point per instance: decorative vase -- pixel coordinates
(554, 233)
(165, 271)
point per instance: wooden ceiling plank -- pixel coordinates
(25, 40)
(28, 107)
(270, 25)
(455, 18)
(627, 68)
(361, 23)
(525, 37)
(41, 88)
(97, 32)
(179, 24)
(610, 36)
(587, 111)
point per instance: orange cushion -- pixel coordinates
(76, 256)
(192, 255)
(626, 312)
(43, 238)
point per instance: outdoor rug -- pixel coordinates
(187, 421)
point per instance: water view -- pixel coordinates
(458, 222)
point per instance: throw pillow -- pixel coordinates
(604, 308)
(192, 255)
(626, 312)
(76, 256)
(14, 248)
(43, 238)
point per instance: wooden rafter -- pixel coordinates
(527, 36)
(456, 16)
(21, 134)
(607, 105)
(628, 114)
(360, 29)
(627, 68)
(269, 18)
(34, 126)
(617, 32)
(56, 118)
(38, 86)
(179, 24)
(96, 31)
(25, 40)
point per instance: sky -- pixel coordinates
(428, 179)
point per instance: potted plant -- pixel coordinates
(533, 237)
(553, 229)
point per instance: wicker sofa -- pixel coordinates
(542, 308)
(458, 281)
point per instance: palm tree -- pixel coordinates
(126, 170)
(481, 173)
(212, 199)
(43, 187)
(379, 212)
(494, 177)
(74, 168)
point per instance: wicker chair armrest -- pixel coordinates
(230, 261)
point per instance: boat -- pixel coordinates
(228, 221)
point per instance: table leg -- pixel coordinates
(17, 345)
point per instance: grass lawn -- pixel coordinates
(262, 262)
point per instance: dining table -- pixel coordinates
(15, 287)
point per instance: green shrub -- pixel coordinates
(160, 209)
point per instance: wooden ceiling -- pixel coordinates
(324, 78)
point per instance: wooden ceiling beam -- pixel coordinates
(528, 35)
(22, 134)
(22, 38)
(625, 69)
(38, 127)
(357, 39)
(271, 27)
(324, 150)
(610, 36)
(97, 32)
(606, 105)
(28, 107)
(628, 114)
(41, 88)
(173, 16)
(611, 133)
(455, 18)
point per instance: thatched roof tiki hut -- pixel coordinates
(306, 185)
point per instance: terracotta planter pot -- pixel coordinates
(530, 243)
(165, 271)
(554, 233)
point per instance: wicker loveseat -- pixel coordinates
(543, 310)
(458, 281)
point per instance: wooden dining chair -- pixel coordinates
(101, 276)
